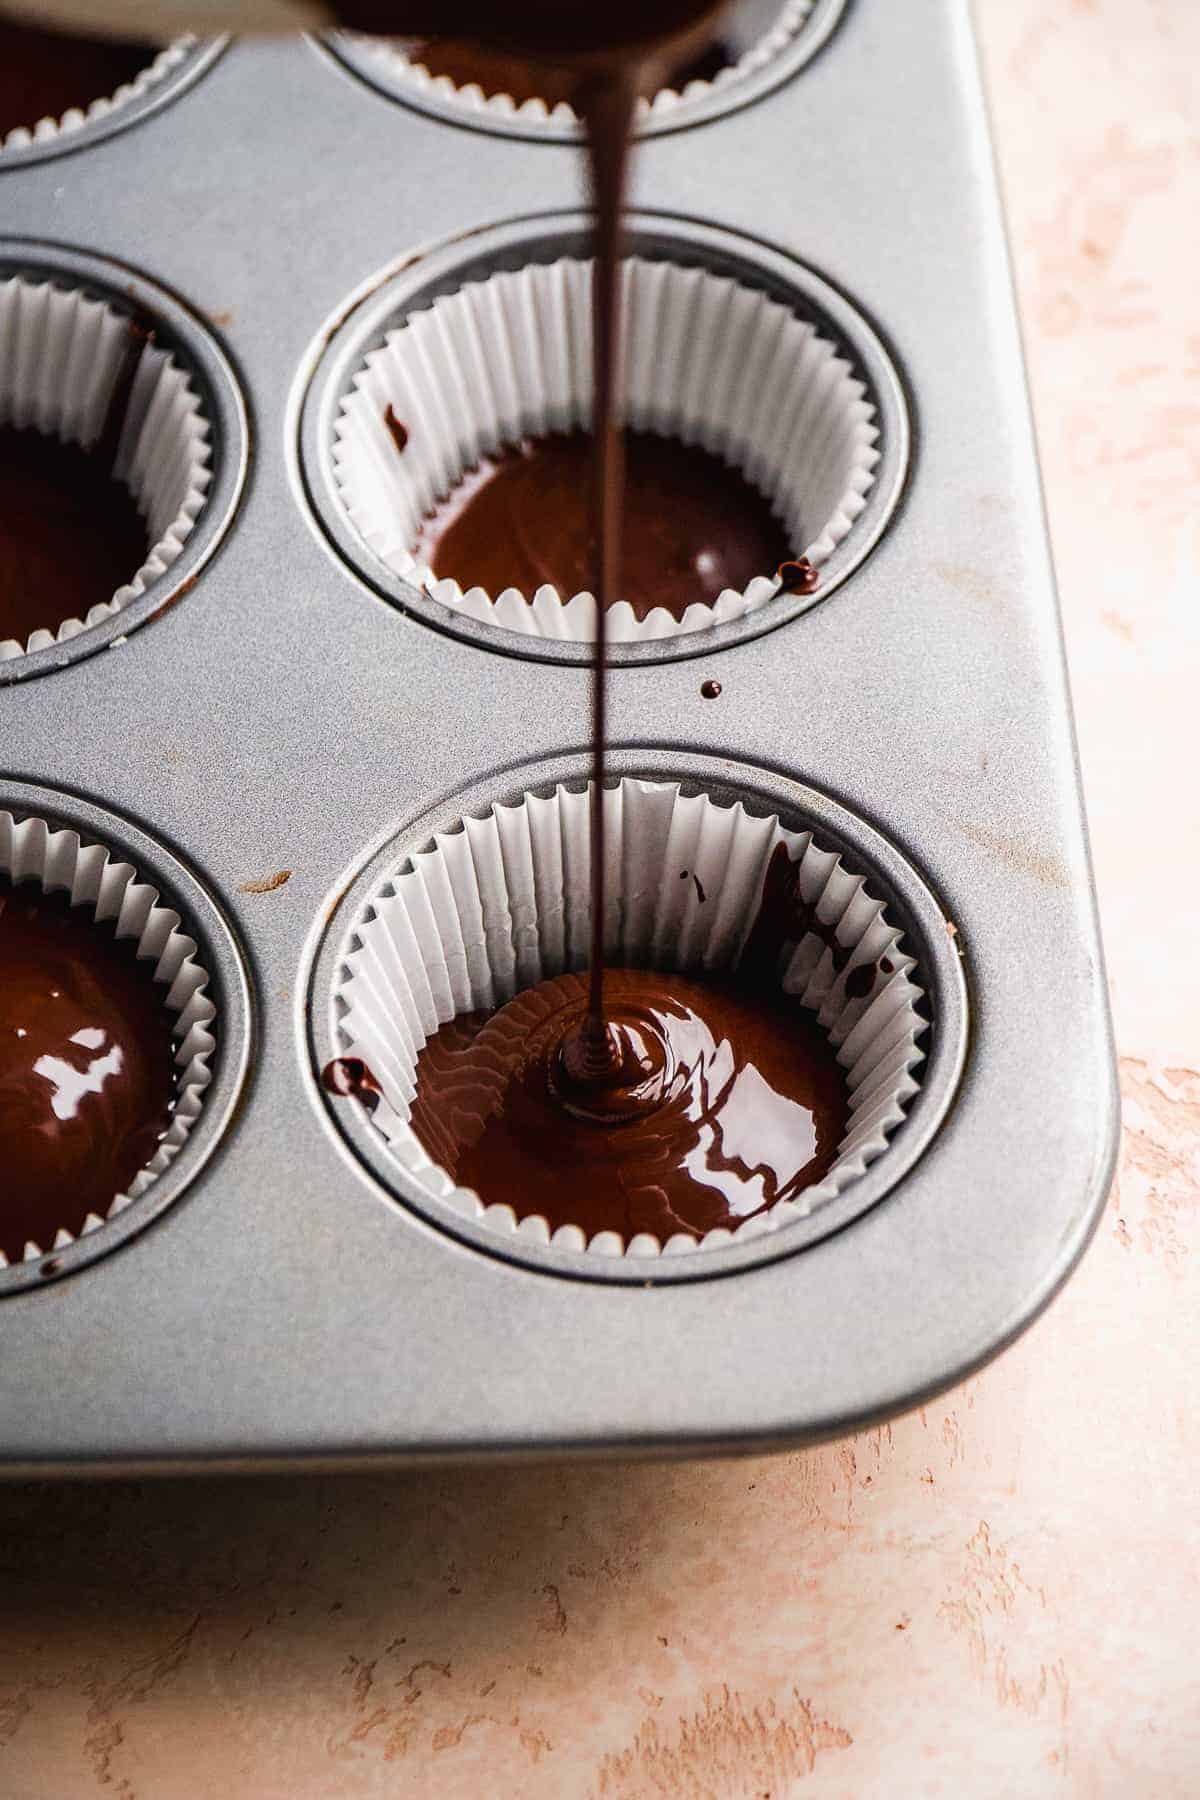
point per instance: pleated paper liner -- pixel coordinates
(503, 903)
(47, 131)
(757, 41)
(64, 354)
(708, 360)
(57, 860)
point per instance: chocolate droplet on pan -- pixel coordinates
(798, 577)
(350, 1079)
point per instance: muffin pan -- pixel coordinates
(301, 721)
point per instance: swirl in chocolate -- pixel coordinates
(726, 1099)
(87, 1076)
(693, 526)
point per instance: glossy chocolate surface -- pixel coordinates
(70, 534)
(693, 526)
(729, 1098)
(43, 74)
(87, 1073)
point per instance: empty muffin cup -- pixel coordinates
(491, 87)
(78, 373)
(502, 904)
(724, 369)
(107, 1036)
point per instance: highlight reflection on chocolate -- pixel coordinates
(43, 74)
(70, 533)
(730, 1100)
(87, 1073)
(693, 526)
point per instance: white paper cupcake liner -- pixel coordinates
(707, 360)
(158, 67)
(32, 850)
(61, 356)
(503, 904)
(423, 82)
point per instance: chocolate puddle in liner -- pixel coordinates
(87, 1071)
(70, 533)
(44, 74)
(728, 1100)
(693, 525)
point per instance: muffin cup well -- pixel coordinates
(34, 850)
(503, 903)
(62, 355)
(48, 132)
(405, 73)
(708, 360)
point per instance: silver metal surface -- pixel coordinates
(339, 351)
(283, 716)
(699, 110)
(178, 330)
(228, 988)
(890, 877)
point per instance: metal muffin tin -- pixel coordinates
(285, 716)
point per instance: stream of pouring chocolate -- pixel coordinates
(716, 1098)
(606, 105)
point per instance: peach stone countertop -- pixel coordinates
(998, 1596)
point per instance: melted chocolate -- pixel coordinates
(350, 1078)
(654, 1106)
(726, 1099)
(397, 431)
(860, 981)
(620, 32)
(70, 534)
(605, 102)
(798, 577)
(87, 1072)
(693, 526)
(498, 72)
(784, 917)
(43, 74)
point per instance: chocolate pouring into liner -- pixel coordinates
(503, 903)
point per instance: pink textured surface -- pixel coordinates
(997, 1596)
